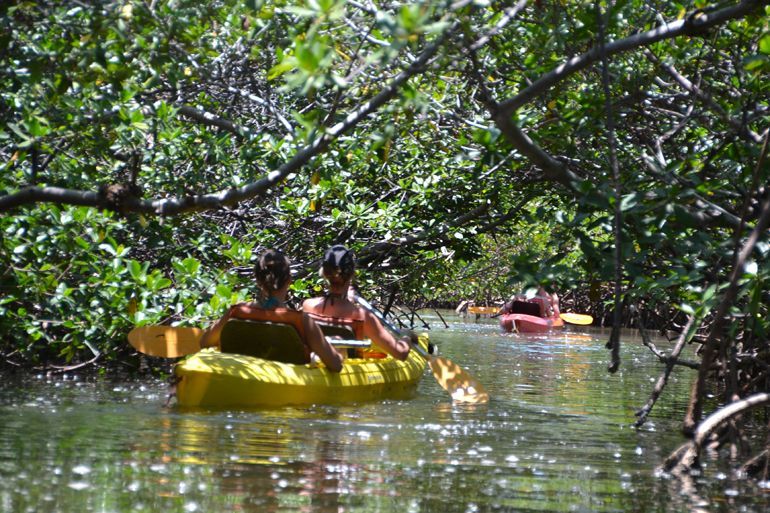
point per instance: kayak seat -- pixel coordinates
(339, 327)
(525, 307)
(346, 333)
(263, 339)
(341, 331)
(336, 330)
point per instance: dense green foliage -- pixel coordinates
(110, 100)
(150, 150)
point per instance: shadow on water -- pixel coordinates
(555, 436)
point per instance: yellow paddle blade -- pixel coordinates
(165, 341)
(483, 310)
(574, 318)
(460, 385)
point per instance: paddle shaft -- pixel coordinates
(451, 377)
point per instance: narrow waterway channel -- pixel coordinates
(556, 436)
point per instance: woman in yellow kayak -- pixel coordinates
(274, 277)
(335, 307)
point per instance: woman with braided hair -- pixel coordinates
(335, 308)
(273, 276)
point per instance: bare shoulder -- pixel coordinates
(311, 303)
(369, 317)
(245, 305)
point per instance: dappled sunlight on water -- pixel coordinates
(556, 435)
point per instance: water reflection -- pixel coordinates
(555, 436)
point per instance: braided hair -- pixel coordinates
(272, 270)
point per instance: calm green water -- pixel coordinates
(555, 437)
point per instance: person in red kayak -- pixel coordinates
(543, 299)
(274, 277)
(554, 303)
(521, 305)
(542, 304)
(336, 309)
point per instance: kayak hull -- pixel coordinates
(210, 378)
(523, 323)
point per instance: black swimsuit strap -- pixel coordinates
(332, 296)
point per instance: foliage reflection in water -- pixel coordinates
(555, 436)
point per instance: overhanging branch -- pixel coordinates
(687, 85)
(693, 25)
(180, 205)
(552, 168)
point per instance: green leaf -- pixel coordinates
(163, 283)
(107, 248)
(191, 265)
(36, 127)
(136, 270)
(764, 44)
(628, 202)
(288, 64)
(755, 62)
(224, 291)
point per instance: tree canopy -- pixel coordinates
(150, 149)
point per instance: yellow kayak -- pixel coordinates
(211, 378)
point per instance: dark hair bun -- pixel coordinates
(272, 270)
(338, 261)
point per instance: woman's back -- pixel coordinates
(338, 268)
(273, 276)
(332, 306)
(337, 317)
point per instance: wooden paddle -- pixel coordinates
(573, 318)
(173, 342)
(450, 376)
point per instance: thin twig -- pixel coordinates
(614, 342)
(663, 379)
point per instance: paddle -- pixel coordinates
(450, 376)
(483, 310)
(165, 341)
(173, 342)
(573, 318)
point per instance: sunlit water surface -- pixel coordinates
(556, 436)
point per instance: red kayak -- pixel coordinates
(524, 317)
(523, 323)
